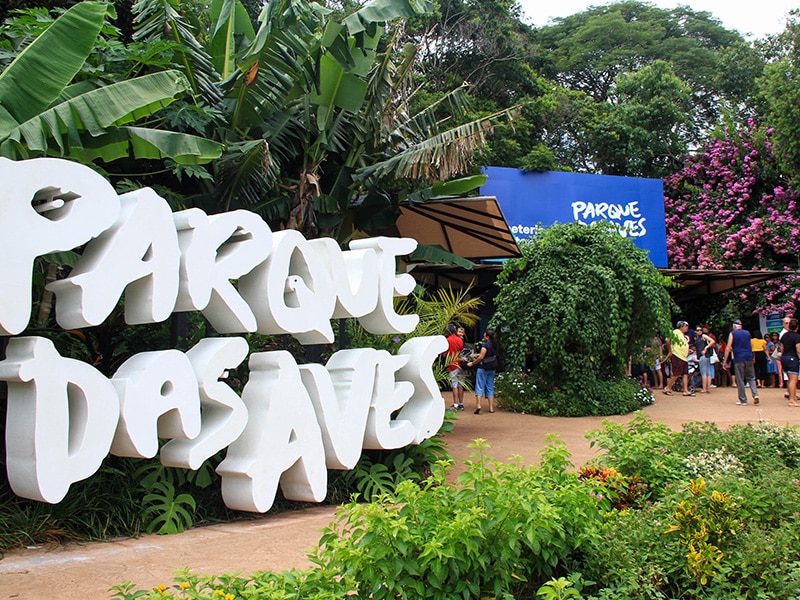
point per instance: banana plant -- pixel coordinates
(41, 114)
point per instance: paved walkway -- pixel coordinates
(87, 571)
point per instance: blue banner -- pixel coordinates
(530, 199)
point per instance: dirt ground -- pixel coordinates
(87, 571)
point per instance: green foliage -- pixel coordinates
(779, 90)
(166, 512)
(45, 112)
(582, 299)
(587, 276)
(502, 532)
(643, 448)
(106, 505)
(525, 393)
(507, 531)
(720, 538)
(706, 525)
(558, 589)
(378, 472)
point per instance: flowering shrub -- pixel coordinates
(523, 392)
(621, 491)
(709, 464)
(730, 207)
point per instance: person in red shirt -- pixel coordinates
(455, 344)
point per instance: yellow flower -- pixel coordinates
(183, 585)
(229, 597)
(161, 587)
(219, 593)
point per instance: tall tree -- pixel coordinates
(779, 89)
(597, 50)
(315, 111)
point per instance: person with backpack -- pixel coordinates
(486, 362)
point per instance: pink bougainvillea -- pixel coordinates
(730, 207)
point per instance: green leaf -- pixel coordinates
(440, 256)
(230, 21)
(165, 513)
(385, 11)
(338, 88)
(59, 130)
(455, 187)
(39, 73)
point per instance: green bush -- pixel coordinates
(524, 393)
(506, 531)
(503, 531)
(700, 541)
(641, 447)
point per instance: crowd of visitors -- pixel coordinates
(695, 360)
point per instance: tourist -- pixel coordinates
(739, 345)
(704, 347)
(486, 362)
(790, 349)
(455, 346)
(678, 353)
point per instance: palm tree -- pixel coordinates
(313, 112)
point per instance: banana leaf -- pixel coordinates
(33, 81)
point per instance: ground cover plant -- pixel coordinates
(525, 392)
(697, 513)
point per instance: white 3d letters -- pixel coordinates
(298, 290)
(224, 415)
(215, 250)
(47, 205)
(388, 395)
(383, 319)
(138, 254)
(341, 393)
(425, 408)
(291, 423)
(158, 397)
(282, 441)
(61, 419)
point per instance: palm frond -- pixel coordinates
(244, 174)
(158, 19)
(443, 156)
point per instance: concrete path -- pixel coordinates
(87, 571)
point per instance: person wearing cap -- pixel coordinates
(678, 355)
(743, 367)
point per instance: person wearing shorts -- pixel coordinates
(678, 354)
(455, 344)
(790, 361)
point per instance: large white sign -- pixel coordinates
(291, 423)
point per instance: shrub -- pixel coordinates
(523, 392)
(502, 532)
(506, 531)
(641, 447)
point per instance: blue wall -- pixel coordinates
(634, 204)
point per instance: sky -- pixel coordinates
(752, 19)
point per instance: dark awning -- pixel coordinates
(699, 283)
(472, 228)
